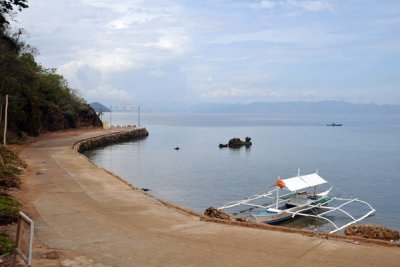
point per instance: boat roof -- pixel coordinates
(303, 181)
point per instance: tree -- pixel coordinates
(40, 99)
(8, 7)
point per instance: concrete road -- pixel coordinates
(90, 218)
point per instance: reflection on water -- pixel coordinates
(309, 223)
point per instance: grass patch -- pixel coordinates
(10, 158)
(9, 176)
(9, 209)
(7, 245)
(11, 169)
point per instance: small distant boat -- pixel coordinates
(334, 124)
(302, 200)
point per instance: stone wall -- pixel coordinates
(112, 138)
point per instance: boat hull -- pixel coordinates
(273, 216)
(275, 220)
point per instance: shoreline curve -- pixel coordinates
(124, 136)
(83, 211)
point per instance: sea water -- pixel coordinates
(360, 159)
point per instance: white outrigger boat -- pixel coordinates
(302, 200)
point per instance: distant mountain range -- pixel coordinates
(322, 107)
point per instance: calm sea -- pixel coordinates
(361, 159)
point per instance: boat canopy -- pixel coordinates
(304, 181)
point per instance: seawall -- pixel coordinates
(109, 139)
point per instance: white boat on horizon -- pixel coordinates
(302, 200)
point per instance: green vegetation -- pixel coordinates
(7, 245)
(10, 158)
(40, 100)
(9, 209)
(10, 169)
(8, 177)
(8, 7)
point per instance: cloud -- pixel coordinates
(173, 41)
(138, 14)
(315, 6)
(119, 6)
(291, 39)
(266, 4)
(127, 21)
(217, 49)
(157, 72)
(70, 69)
(239, 93)
(162, 44)
(93, 81)
(108, 39)
(107, 91)
(115, 60)
(307, 5)
(308, 94)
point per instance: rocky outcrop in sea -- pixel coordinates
(237, 143)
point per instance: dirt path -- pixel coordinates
(90, 218)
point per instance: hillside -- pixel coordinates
(37, 100)
(98, 107)
(40, 100)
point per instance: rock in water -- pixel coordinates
(216, 213)
(219, 214)
(372, 231)
(237, 143)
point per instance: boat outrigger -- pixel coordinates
(302, 200)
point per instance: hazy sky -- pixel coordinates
(191, 51)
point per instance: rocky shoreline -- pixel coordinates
(109, 139)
